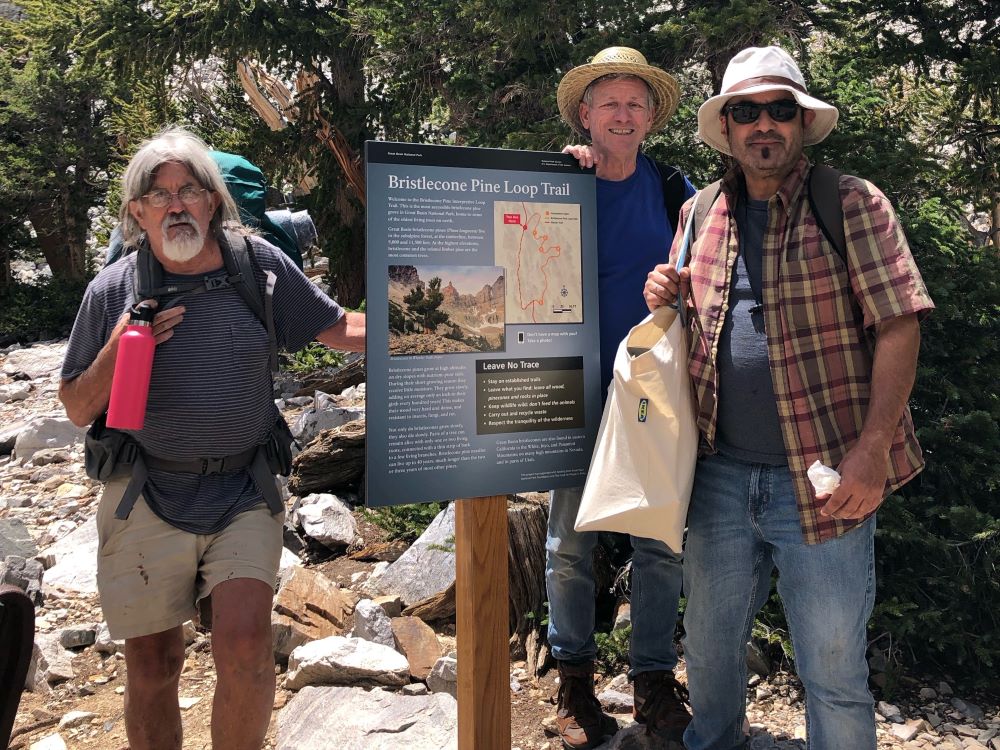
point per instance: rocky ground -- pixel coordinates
(355, 669)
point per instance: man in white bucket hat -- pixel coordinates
(615, 101)
(803, 350)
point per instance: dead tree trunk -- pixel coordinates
(527, 519)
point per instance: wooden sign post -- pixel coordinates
(481, 602)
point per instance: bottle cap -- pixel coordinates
(142, 314)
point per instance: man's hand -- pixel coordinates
(663, 283)
(163, 323)
(865, 468)
(863, 474)
(583, 154)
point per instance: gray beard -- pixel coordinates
(186, 245)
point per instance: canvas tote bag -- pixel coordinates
(642, 469)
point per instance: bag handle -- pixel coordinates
(644, 337)
(681, 262)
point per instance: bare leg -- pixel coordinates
(244, 662)
(153, 664)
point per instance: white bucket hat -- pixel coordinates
(617, 60)
(758, 69)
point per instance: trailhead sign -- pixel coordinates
(483, 371)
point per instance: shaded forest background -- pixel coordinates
(83, 82)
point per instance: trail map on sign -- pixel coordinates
(539, 245)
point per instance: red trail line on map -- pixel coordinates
(555, 252)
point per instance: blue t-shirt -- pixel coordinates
(748, 426)
(633, 235)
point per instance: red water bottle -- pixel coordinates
(133, 366)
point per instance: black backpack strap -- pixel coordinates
(824, 200)
(240, 263)
(148, 274)
(674, 192)
(149, 282)
(238, 256)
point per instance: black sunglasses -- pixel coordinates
(744, 113)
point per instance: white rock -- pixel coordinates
(289, 561)
(52, 742)
(367, 720)
(327, 519)
(76, 718)
(76, 561)
(187, 702)
(36, 362)
(53, 662)
(907, 731)
(345, 661)
(17, 391)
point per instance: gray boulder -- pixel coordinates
(47, 432)
(15, 539)
(25, 574)
(444, 676)
(428, 566)
(78, 636)
(372, 624)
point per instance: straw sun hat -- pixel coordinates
(759, 69)
(616, 60)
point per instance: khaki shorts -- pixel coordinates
(153, 577)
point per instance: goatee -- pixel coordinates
(188, 240)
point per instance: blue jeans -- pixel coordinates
(569, 580)
(743, 523)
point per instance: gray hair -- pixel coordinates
(174, 144)
(588, 94)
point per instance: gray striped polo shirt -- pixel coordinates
(210, 393)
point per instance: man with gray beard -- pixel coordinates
(198, 532)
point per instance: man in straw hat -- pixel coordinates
(801, 352)
(617, 99)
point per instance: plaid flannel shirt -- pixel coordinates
(820, 318)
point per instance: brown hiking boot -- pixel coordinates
(581, 722)
(661, 703)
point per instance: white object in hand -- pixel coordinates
(824, 479)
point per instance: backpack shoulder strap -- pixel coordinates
(824, 200)
(240, 261)
(674, 193)
(703, 202)
(148, 275)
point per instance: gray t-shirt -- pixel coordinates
(210, 393)
(748, 426)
